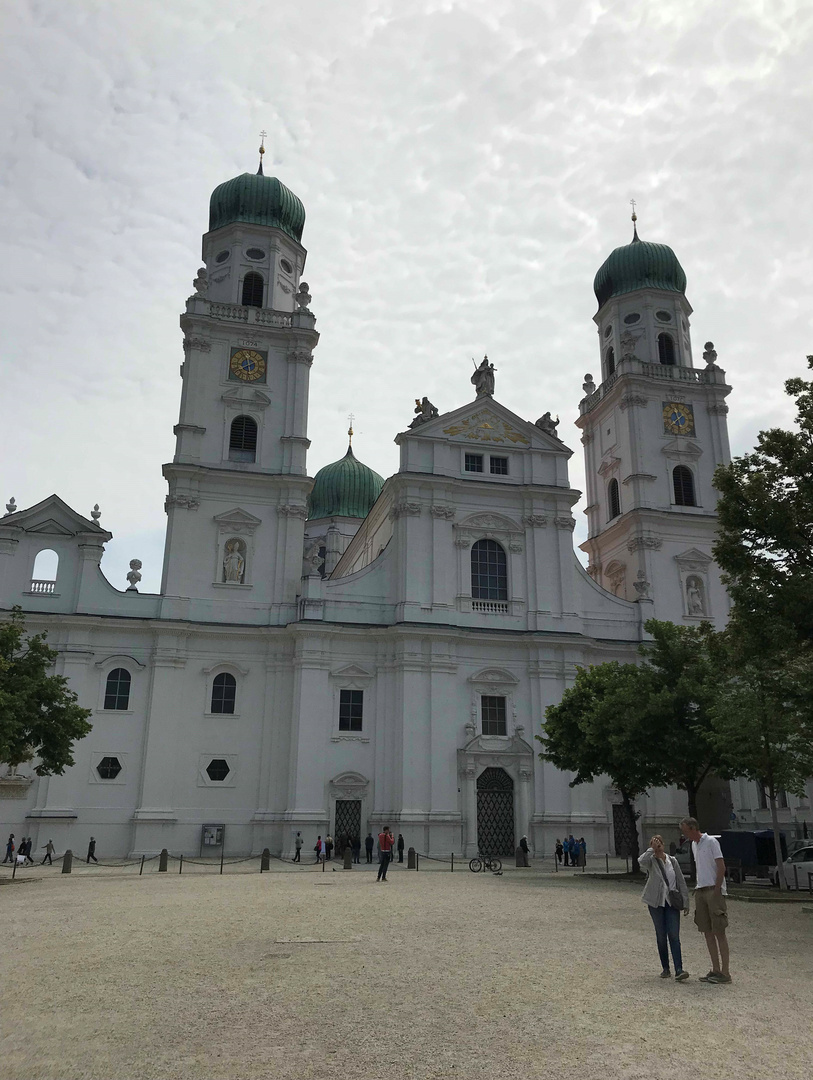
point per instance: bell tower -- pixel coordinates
(654, 431)
(238, 484)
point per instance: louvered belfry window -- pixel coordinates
(666, 348)
(614, 499)
(243, 439)
(253, 290)
(683, 483)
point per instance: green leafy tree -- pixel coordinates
(39, 715)
(765, 535)
(684, 664)
(603, 726)
(763, 726)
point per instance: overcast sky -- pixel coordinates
(465, 169)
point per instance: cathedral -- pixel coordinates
(337, 653)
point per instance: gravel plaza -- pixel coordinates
(309, 975)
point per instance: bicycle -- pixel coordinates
(485, 862)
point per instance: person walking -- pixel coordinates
(368, 846)
(92, 850)
(10, 849)
(28, 857)
(319, 848)
(559, 850)
(49, 850)
(385, 842)
(400, 846)
(328, 847)
(710, 908)
(298, 845)
(356, 849)
(666, 894)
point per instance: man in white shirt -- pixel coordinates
(710, 910)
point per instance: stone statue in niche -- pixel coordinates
(135, 575)
(483, 378)
(201, 282)
(234, 563)
(548, 425)
(628, 343)
(425, 410)
(314, 557)
(695, 601)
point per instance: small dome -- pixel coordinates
(345, 488)
(639, 265)
(258, 200)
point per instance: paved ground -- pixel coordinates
(308, 975)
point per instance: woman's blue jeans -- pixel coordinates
(667, 928)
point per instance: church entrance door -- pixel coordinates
(348, 821)
(495, 813)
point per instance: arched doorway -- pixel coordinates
(495, 812)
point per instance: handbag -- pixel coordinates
(674, 897)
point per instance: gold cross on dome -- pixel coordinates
(351, 417)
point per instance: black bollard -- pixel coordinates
(411, 858)
(607, 862)
(265, 860)
(348, 858)
(180, 864)
(67, 861)
(163, 858)
(141, 868)
(452, 862)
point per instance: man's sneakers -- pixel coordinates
(666, 974)
(681, 976)
(715, 977)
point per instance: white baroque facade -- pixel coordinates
(361, 669)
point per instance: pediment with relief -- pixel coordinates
(693, 559)
(497, 522)
(494, 676)
(351, 671)
(237, 520)
(53, 517)
(485, 426)
(681, 448)
(242, 397)
(610, 464)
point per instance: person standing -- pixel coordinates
(92, 850)
(523, 846)
(9, 849)
(298, 845)
(400, 846)
(566, 850)
(368, 846)
(559, 850)
(356, 849)
(319, 848)
(385, 842)
(328, 847)
(666, 894)
(49, 850)
(710, 908)
(582, 851)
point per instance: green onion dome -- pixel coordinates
(258, 200)
(639, 265)
(346, 488)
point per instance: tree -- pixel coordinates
(763, 725)
(765, 537)
(39, 715)
(603, 726)
(684, 663)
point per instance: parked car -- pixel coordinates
(797, 867)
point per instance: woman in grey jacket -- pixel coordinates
(664, 878)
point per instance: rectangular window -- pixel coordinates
(492, 711)
(498, 466)
(474, 462)
(351, 708)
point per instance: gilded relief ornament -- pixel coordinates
(486, 427)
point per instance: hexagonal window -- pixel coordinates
(109, 768)
(217, 769)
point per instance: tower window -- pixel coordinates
(224, 693)
(351, 710)
(243, 439)
(666, 348)
(683, 483)
(613, 499)
(117, 689)
(610, 357)
(498, 466)
(474, 462)
(253, 290)
(489, 571)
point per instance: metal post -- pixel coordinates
(417, 861)
(607, 861)
(180, 864)
(627, 862)
(555, 863)
(141, 869)
(796, 875)
(222, 853)
(14, 868)
(324, 862)
(452, 862)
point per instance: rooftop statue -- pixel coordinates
(483, 378)
(548, 425)
(425, 410)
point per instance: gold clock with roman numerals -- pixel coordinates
(678, 418)
(247, 365)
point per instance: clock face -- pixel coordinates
(247, 365)
(678, 418)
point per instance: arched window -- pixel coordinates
(253, 290)
(489, 571)
(666, 348)
(117, 689)
(610, 357)
(683, 483)
(43, 579)
(613, 499)
(224, 693)
(243, 439)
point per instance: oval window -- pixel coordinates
(630, 319)
(255, 253)
(663, 316)
(286, 266)
(608, 330)
(222, 256)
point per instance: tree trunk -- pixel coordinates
(633, 820)
(691, 798)
(777, 843)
